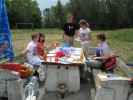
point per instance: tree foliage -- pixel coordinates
(101, 14)
(23, 11)
(54, 17)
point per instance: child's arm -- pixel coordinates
(106, 56)
(24, 52)
(100, 58)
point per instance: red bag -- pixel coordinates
(110, 63)
(12, 66)
(23, 71)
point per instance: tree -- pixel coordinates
(119, 13)
(23, 11)
(46, 14)
(101, 14)
(55, 16)
(130, 12)
(59, 13)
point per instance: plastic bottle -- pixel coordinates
(32, 89)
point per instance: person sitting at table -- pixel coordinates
(104, 58)
(30, 51)
(40, 48)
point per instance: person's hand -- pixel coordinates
(92, 56)
(41, 57)
(96, 58)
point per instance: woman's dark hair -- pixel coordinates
(41, 35)
(101, 36)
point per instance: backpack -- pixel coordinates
(110, 63)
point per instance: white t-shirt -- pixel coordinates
(31, 49)
(31, 54)
(84, 35)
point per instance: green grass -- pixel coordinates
(22, 37)
(121, 41)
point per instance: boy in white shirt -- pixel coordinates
(30, 51)
(85, 36)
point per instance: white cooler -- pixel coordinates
(111, 87)
(57, 75)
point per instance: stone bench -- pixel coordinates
(11, 85)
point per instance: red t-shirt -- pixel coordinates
(40, 49)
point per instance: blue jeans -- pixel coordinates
(95, 64)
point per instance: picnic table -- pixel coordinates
(122, 70)
(65, 71)
(127, 71)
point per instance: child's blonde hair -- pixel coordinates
(84, 23)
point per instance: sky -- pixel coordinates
(48, 3)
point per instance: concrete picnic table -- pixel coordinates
(65, 71)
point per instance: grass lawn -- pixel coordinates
(121, 41)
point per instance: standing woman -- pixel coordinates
(85, 36)
(70, 29)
